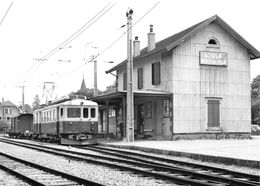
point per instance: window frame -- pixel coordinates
(209, 45)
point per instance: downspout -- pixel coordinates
(171, 109)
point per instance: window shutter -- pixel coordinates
(156, 73)
(125, 81)
(213, 113)
(140, 78)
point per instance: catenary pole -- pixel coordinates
(130, 97)
(95, 78)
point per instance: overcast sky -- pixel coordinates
(33, 28)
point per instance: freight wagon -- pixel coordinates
(21, 126)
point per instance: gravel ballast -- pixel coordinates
(97, 173)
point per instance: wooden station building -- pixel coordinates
(194, 84)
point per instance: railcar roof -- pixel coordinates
(72, 102)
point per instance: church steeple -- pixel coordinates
(83, 85)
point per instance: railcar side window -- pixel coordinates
(93, 112)
(85, 112)
(73, 113)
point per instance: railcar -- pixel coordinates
(70, 120)
(21, 126)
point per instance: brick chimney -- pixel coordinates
(136, 47)
(151, 39)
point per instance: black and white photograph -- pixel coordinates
(129, 92)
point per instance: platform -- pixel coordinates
(231, 151)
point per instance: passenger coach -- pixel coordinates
(71, 120)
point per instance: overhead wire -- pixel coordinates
(114, 42)
(6, 13)
(70, 39)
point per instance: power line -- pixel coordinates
(114, 42)
(70, 39)
(79, 31)
(6, 13)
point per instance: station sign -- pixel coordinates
(213, 58)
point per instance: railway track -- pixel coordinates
(255, 179)
(152, 168)
(38, 175)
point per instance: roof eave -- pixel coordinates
(137, 58)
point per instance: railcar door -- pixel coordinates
(58, 120)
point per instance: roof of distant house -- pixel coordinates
(176, 39)
(8, 103)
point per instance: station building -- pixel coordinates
(194, 84)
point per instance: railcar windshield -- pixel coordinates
(73, 113)
(85, 112)
(93, 112)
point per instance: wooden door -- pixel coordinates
(213, 113)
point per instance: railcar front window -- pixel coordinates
(85, 112)
(73, 112)
(93, 112)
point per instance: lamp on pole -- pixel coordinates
(130, 97)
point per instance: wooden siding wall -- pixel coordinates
(192, 83)
(166, 73)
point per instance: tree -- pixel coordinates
(36, 102)
(2, 126)
(255, 100)
(110, 88)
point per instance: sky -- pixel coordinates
(33, 28)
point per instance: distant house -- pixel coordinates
(8, 110)
(194, 84)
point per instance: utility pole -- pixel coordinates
(130, 97)
(95, 78)
(23, 98)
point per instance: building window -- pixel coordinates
(213, 43)
(156, 73)
(140, 78)
(61, 112)
(213, 113)
(6, 110)
(166, 108)
(125, 81)
(11, 111)
(111, 112)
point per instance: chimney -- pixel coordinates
(136, 47)
(151, 39)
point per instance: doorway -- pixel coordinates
(140, 119)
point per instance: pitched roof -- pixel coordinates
(8, 104)
(176, 39)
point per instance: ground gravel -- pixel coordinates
(9, 180)
(97, 173)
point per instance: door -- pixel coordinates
(140, 118)
(213, 113)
